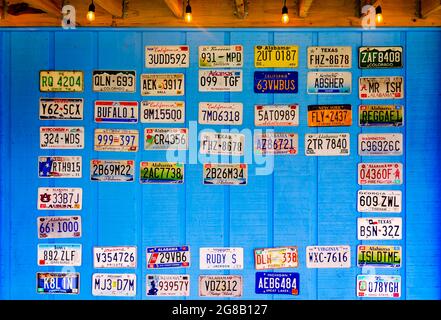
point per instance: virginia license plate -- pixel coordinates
(380, 173)
(221, 56)
(59, 227)
(162, 172)
(114, 81)
(220, 113)
(327, 144)
(278, 283)
(220, 80)
(222, 143)
(328, 257)
(61, 109)
(167, 56)
(276, 56)
(380, 144)
(59, 254)
(276, 115)
(329, 82)
(220, 286)
(168, 285)
(381, 88)
(114, 257)
(116, 140)
(379, 256)
(225, 174)
(381, 115)
(329, 57)
(163, 112)
(276, 258)
(112, 170)
(61, 81)
(114, 285)
(60, 198)
(378, 286)
(277, 143)
(330, 115)
(58, 282)
(59, 167)
(165, 139)
(276, 82)
(168, 257)
(61, 137)
(379, 228)
(162, 84)
(379, 201)
(380, 57)
(220, 258)
(116, 111)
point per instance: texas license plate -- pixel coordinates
(329, 115)
(162, 84)
(276, 115)
(220, 286)
(61, 81)
(59, 227)
(327, 144)
(162, 112)
(58, 282)
(114, 257)
(114, 285)
(221, 56)
(380, 173)
(381, 115)
(167, 56)
(378, 286)
(379, 256)
(220, 80)
(220, 258)
(168, 285)
(276, 82)
(276, 56)
(59, 167)
(220, 113)
(380, 144)
(61, 137)
(276, 258)
(114, 81)
(379, 229)
(379, 201)
(329, 57)
(112, 170)
(225, 174)
(165, 139)
(59, 255)
(162, 172)
(329, 82)
(328, 257)
(168, 257)
(61, 109)
(116, 111)
(60, 198)
(278, 283)
(381, 88)
(222, 143)
(276, 143)
(116, 140)
(380, 57)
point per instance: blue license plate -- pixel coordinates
(277, 283)
(58, 282)
(276, 82)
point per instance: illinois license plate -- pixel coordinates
(165, 139)
(116, 111)
(168, 257)
(329, 82)
(167, 56)
(61, 109)
(379, 201)
(381, 115)
(277, 143)
(328, 257)
(59, 254)
(114, 257)
(276, 258)
(380, 173)
(116, 140)
(114, 285)
(220, 80)
(168, 285)
(329, 115)
(327, 144)
(278, 283)
(220, 113)
(221, 56)
(60, 198)
(162, 84)
(59, 167)
(378, 286)
(112, 170)
(276, 56)
(163, 112)
(329, 57)
(225, 174)
(114, 81)
(276, 115)
(380, 144)
(61, 81)
(220, 258)
(220, 286)
(381, 88)
(61, 137)
(58, 282)
(380, 57)
(379, 256)
(276, 82)
(222, 143)
(162, 172)
(379, 228)
(59, 227)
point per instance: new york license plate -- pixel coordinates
(381, 88)
(61, 81)
(116, 111)
(112, 170)
(59, 167)
(276, 82)
(114, 81)
(380, 57)
(276, 115)
(379, 228)
(220, 286)
(168, 285)
(162, 172)
(329, 82)
(61, 109)
(278, 283)
(379, 201)
(114, 257)
(328, 256)
(378, 286)
(220, 80)
(380, 173)
(116, 140)
(381, 115)
(276, 143)
(114, 285)
(222, 143)
(380, 144)
(60, 198)
(220, 113)
(220, 258)
(167, 56)
(59, 227)
(330, 115)
(329, 57)
(379, 256)
(168, 257)
(276, 258)
(61, 137)
(221, 56)
(280, 56)
(327, 144)
(225, 174)
(162, 84)
(162, 112)
(58, 282)
(59, 254)
(165, 139)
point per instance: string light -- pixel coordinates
(188, 15)
(285, 17)
(379, 15)
(91, 13)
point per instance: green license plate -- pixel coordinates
(380, 57)
(162, 172)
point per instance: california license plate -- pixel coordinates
(327, 144)
(276, 56)
(380, 57)
(222, 143)
(61, 109)
(58, 282)
(220, 113)
(225, 174)
(114, 81)
(381, 115)
(378, 286)
(59, 254)
(168, 285)
(221, 56)
(277, 283)
(329, 57)
(379, 201)
(380, 173)
(162, 84)
(379, 256)
(276, 115)
(112, 170)
(116, 111)
(162, 112)
(329, 82)
(60, 198)
(276, 143)
(59, 227)
(61, 81)
(167, 56)
(220, 258)
(162, 172)
(114, 285)
(168, 257)
(328, 257)
(381, 88)
(276, 82)
(220, 286)
(329, 115)
(380, 144)
(60, 167)
(116, 140)
(165, 139)
(115, 257)
(276, 258)
(220, 80)
(379, 229)
(61, 137)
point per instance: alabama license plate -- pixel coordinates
(60, 198)
(276, 82)
(381, 88)
(61, 81)
(162, 84)
(220, 80)
(168, 257)
(116, 111)
(327, 144)
(380, 144)
(59, 254)
(61, 137)
(60, 167)
(162, 112)
(329, 82)
(379, 229)
(277, 115)
(379, 256)
(61, 109)
(167, 56)
(329, 115)
(59, 227)
(115, 257)
(114, 285)
(58, 282)
(276, 143)
(276, 258)
(222, 143)
(168, 285)
(328, 257)
(225, 174)
(381, 115)
(114, 81)
(116, 140)
(112, 170)
(380, 173)
(380, 57)
(220, 113)
(220, 258)
(277, 283)
(221, 56)
(329, 57)
(379, 201)
(162, 172)
(378, 286)
(276, 56)
(220, 286)
(165, 139)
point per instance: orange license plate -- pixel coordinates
(329, 115)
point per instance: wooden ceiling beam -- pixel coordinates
(47, 6)
(176, 6)
(304, 6)
(114, 7)
(429, 6)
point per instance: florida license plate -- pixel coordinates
(120, 140)
(220, 113)
(277, 283)
(61, 81)
(60, 198)
(379, 201)
(379, 228)
(168, 285)
(58, 282)
(61, 137)
(116, 111)
(221, 56)
(276, 143)
(379, 256)
(276, 258)
(381, 115)
(220, 258)
(61, 109)
(115, 257)
(162, 84)
(276, 115)
(165, 139)
(328, 256)
(60, 167)
(167, 56)
(380, 173)
(168, 257)
(59, 227)
(162, 112)
(220, 286)
(114, 81)
(329, 82)
(112, 170)
(380, 57)
(381, 88)
(222, 143)
(220, 80)
(327, 144)
(329, 115)
(276, 82)
(114, 285)
(378, 286)
(276, 56)
(162, 172)
(380, 144)
(225, 174)
(329, 57)
(59, 255)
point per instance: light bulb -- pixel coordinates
(90, 16)
(188, 17)
(379, 18)
(285, 18)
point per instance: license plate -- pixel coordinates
(329, 57)
(58, 282)
(276, 82)
(114, 257)
(222, 143)
(163, 112)
(276, 56)
(330, 115)
(378, 286)
(116, 140)
(225, 174)
(168, 285)
(116, 111)
(221, 56)
(328, 257)
(276, 258)
(114, 285)
(60, 198)
(112, 170)
(59, 255)
(61, 109)
(329, 82)
(114, 81)
(327, 144)
(379, 201)
(220, 80)
(220, 258)
(59, 227)
(380, 144)
(61, 81)
(278, 115)
(379, 229)
(276, 143)
(380, 57)
(61, 137)
(165, 84)
(220, 286)
(379, 256)
(165, 139)
(278, 283)
(380, 173)
(220, 113)
(167, 56)
(381, 115)
(60, 167)
(162, 172)
(168, 257)
(381, 88)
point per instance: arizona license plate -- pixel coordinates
(116, 140)
(162, 172)
(163, 112)
(167, 56)
(220, 286)
(61, 137)
(162, 84)
(220, 80)
(59, 254)
(276, 258)
(378, 286)
(329, 57)
(380, 173)
(329, 115)
(168, 285)
(168, 257)
(61, 81)
(379, 228)
(165, 139)
(278, 283)
(225, 174)
(379, 201)
(58, 282)
(381, 115)
(276, 82)
(276, 143)
(114, 257)
(276, 115)
(59, 227)
(220, 258)
(380, 144)
(327, 144)
(276, 56)
(222, 113)
(116, 111)
(60, 167)
(328, 257)
(114, 81)
(112, 170)
(60, 198)
(221, 56)
(61, 109)
(222, 143)
(329, 82)
(114, 285)
(379, 256)
(381, 88)
(380, 57)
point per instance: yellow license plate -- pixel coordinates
(276, 56)
(61, 81)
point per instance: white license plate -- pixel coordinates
(329, 82)
(380, 144)
(162, 84)
(220, 286)
(168, 285)
(112, 170)
(277, 143)
(61, 81)
(168, 257)
(276, 115)
(59, 227)
(59, 255)
(276, 258)
(379, 201)
(165, 139)
(114, 257)
(328, 256)
(329, 57)
(116, 140)
(60, 198)
(61, 109)
(225, 174)
(167, 56)
(116, 111)
(222, 143)
(220, 258)
(220, 80)
(378, 286)
(114, 285)
(379, 229)
(114, 81)
(61, 137)
(327, 144)
(162, 112)
(220, 113)
(380, 173)
(60, 167)
(221, 56)
(381, 88)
